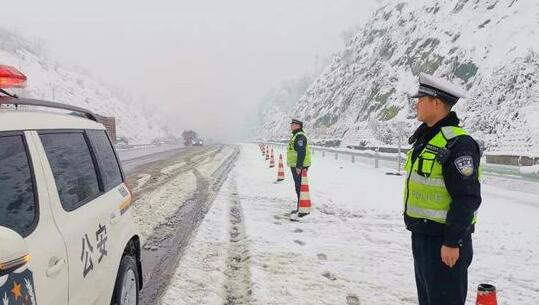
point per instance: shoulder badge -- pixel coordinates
(465, 165)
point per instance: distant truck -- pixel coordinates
(110, 125)
(190, 138)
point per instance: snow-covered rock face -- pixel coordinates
(50, 81)
(489, 47)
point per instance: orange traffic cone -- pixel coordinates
(304, 196)
(486, 295)
(272, 160)
(280, 171)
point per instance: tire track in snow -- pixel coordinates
(182, 224)
(238, 277)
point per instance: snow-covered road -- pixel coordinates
(135, 157)
(353, 248)
(172, 195)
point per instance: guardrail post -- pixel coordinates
(376, 158)
(399, 161)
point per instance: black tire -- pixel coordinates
(127, 264)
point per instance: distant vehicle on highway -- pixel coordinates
(110, 126)
(67, 235)
(191, 138)
(198, 142)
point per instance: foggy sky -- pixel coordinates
(202, 64)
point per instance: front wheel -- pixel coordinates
(126, 289)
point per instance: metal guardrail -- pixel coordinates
(392, 162)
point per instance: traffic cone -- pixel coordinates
(280, 171)
(272, 160)
(304, 196)
(486, 295)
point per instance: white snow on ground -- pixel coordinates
(209, 167)
(172, 168)
(353, 248)
(141, 181)
(530, 170)
(152, 209)
(199, 279)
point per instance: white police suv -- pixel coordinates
(66, 231)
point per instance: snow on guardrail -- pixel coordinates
(530, 170)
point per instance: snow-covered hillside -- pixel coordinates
(47, 79)
(276, 106)
(489, 47)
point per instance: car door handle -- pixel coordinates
(58, 265)
(113, 218)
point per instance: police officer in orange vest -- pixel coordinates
(442, 195)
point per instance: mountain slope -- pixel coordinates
(47, 79)
(277, 107)
(489, 47)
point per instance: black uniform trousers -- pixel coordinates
(297, 182)
(437, 284)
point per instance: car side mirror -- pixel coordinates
(13, 251)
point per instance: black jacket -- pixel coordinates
(464, 189)
(300, 145)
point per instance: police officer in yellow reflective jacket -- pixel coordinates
(298, 159)
(441, 195)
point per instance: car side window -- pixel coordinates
(18, 207)
(106, 159)
(72, 166)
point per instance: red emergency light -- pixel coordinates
(11, 78)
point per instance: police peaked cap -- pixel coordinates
(294, 121)
(430, 85)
